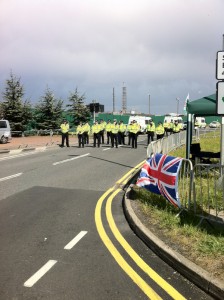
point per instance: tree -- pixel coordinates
(48, 112)
(77, 108)
(12, 105)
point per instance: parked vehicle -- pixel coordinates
(214, 124)
(141, 120)
(200, 122)
(5, 131)
(173, 117)
(185, 125)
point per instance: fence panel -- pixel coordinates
(208, 191)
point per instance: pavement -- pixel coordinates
(191, 271)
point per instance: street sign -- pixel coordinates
(220, 65)
(220, 98)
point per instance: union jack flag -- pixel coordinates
(159, 175)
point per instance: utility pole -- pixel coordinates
(113, 101)
(178, 100)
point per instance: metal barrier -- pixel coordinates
(208, 192)
(200, 188)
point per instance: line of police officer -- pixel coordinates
(161, 130)
(115, 132)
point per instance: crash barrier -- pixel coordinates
(200, 188)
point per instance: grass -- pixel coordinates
(198, 240)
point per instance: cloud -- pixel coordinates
(165, 48)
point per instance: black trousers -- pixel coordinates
(96, 138)
(134, 140)
(114, 139)
(160, 136)
(81, 139)
(86, 138)
(150, 136)
(102, 136)
(64, 138)
(121, 138)
(108, 137)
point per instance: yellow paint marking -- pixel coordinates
(137, 259)
(117, 256)
(130, 172)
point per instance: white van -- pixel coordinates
(5, 131)
(201, 122)
(173, 117)
(141, 120)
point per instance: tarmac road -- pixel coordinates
(58, 223)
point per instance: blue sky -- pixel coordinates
(165, 48)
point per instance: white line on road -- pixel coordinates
(31, 152)
(40, 273)
(69, 159)
(75, 240)
(10, 177)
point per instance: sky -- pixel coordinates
(160, 50)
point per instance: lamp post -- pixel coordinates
(149, 104)
(178, 100)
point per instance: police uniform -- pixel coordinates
(64, 133)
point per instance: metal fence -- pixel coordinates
(200, 187)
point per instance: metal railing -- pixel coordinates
(200, 187)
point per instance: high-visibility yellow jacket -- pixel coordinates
(108, 127)
(176, 128)
(135, 128)
(96, 128)
(170, 125)
(122, 127)
(86, 128)
(129, 127)
(151, 127)
(160, 129)
(64, 128)
(165, 125)
(80, 129)
(114, 128)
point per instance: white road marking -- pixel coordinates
(40, 273)
(106, 149)
(10, 177)
(69, 159)
(75, 240)
(22, 154)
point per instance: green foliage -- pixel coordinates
(13, 108)
(77, 108)
(48, 112)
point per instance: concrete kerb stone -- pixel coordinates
(191, 271)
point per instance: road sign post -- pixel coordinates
(220, 65)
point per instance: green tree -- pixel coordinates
(12, 105)
(77, 108)
(48, 112)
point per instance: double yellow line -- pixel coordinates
(115, 253)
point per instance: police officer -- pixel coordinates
(114, 134)
(64, 133)
(121, 133)
(80, 132)
(150, 130)
(108, 130)
(135, 128)
(96, 128)
(159, 131)
(166, 127)
(129, 133)
(86, 133)
(176, 127)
